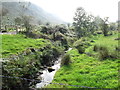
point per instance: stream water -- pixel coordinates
(47, 76)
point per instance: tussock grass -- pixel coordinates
(66, 60)
(87, 71)
(90, 71)
(104, 46)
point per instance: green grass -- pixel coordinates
(89, 71)
(13, 44)
(108, 41)
(28, 62)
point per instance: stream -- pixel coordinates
(47, 76)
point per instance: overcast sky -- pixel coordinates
(65, 9)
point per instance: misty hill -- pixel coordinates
(16, 9)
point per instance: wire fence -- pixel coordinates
(39, 81)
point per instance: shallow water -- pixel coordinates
(47, 76)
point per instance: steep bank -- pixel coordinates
(24, 58)
(47, 76)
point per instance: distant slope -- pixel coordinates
(16, 9)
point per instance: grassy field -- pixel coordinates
(13, 44)
(108, 42)
(90, 71)
(21, 61)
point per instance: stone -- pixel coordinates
(92, 41)
(40, 72)
(117, 39)
(41, 67)
(50, 69)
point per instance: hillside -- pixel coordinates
(38, 52)
(87, 71)
(15, 9)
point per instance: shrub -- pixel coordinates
(117, 38)
(103, 53)
(78, 42)
(44, 29)
(80, 49)
(81, 44)
(114, 55)
(66, 60)
(70, 41)
(24, 67)
(30, 34)
(117, 48)
(95, 48)
(98, 32)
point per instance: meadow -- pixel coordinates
(32, 40)
(90, 71)
(14, 44)
(23, 59)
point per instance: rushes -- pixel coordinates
(104, 53)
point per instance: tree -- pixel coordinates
(113, 26)
(84, 23)
(26, 21)
(98, 21)
(105, 26)
(3, 12)
(79, 21)
(18, 21)
(90, 24)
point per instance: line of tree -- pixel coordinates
(86, 24)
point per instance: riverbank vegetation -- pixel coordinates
(24, 57)
(92, 62)
(91, 69)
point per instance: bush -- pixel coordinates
(81, 44)
(44, 29)
(27, 65)
(103, 53)
(24, 67)
(117, 48)
(66, 60)
(95, 48)
(80, 49)
(98, 32)
(114, 55)
(50, 55)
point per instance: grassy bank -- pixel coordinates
(13, 44)
(90, 71)
(24, 58)
(108, 42)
